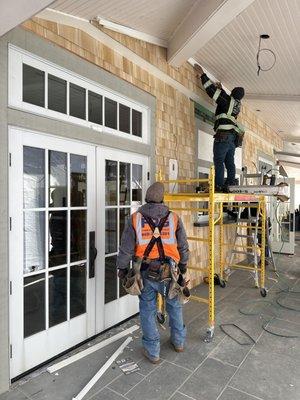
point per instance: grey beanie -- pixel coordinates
(155, 193)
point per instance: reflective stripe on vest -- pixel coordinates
(144, 234)
(227, 127)
(206, 84)
(217, 94)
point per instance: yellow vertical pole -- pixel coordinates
(221, 241)
(211, 257)
(263, 246)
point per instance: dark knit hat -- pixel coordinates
(155, 193)
(238, 93)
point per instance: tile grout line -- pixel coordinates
(244, 359)
(119, 394)
(189, 397)
(154, 369)
(25, 394)
(242, 391)
(202, 362)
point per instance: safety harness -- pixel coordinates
(156, 238)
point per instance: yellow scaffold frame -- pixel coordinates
(215, 204)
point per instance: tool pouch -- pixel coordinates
(239, 137)
(158, 273)
(133, 283)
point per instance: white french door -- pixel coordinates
(52, 211)
(66, 199)
(122, 180)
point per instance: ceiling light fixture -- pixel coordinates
(261, 51)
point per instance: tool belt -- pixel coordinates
(222, 135)
(159, 272)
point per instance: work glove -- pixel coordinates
(182, 268)
(122, 273)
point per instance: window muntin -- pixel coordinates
(55, 92)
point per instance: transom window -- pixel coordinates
(44, 88)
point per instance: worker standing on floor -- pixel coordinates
(155, 239)
(228, 132)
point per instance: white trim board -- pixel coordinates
(90, 350)
(86, 26)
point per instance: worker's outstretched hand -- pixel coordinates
(199, 70)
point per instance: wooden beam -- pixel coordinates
(205, 19)
(14, 12)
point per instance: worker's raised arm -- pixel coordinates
(215, 91)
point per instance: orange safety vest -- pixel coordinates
(144, 234)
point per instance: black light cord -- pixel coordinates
(259, 68)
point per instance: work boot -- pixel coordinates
(178, 349)
(153, 360)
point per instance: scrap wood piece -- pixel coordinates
(102, 370)
(92, 349)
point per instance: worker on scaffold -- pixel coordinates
(228, 132)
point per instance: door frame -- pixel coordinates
(79, 328)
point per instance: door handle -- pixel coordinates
(93, 255)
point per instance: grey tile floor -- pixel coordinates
(221, 370)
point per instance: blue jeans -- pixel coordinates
(151, 337)
(224, 150)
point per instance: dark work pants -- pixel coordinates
(224, 150)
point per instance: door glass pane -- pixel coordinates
(124, 195)
(57, 238)
(77, 101)
(34, 241)
(111, 113)
(57, 94)
(110, 231)
(136, 123)
(33, 177)
(111, 182)
(34, 304)
(137, 184)
(78, 180)
(78, 235)
(124, 214)
(95, 108)
(124, 118)
(111, 283)
(57, 179)
(33, 86)
(77, 290)
(57, 296)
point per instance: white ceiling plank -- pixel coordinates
(14, 12)
(272, 97)
(206, 19)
